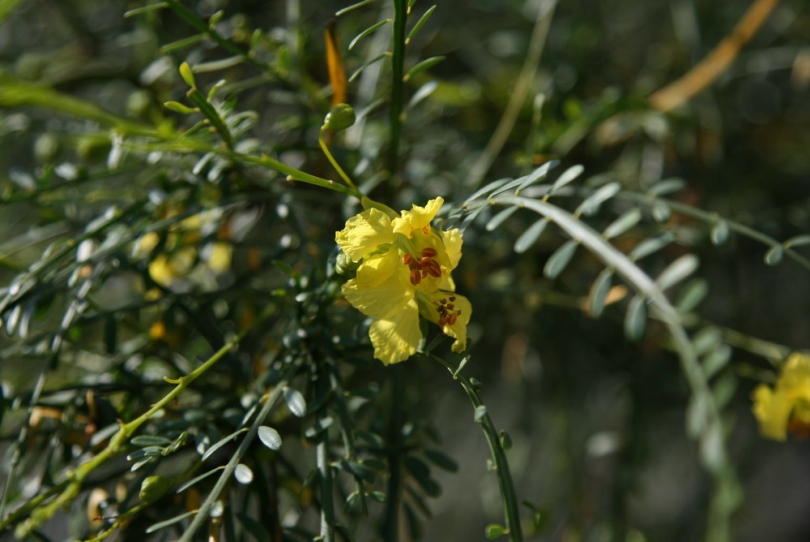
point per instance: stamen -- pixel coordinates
(452, 318)
(434, 269)
(406, 258)
(429, 252)
(416, 277)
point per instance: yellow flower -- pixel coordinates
(182, 254)
(405, 272)
(787, 406)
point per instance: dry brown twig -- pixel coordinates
(716, 62)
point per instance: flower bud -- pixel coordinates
(339, 118)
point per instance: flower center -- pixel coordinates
(422, 266)
(448, 314)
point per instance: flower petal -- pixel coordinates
(381, 287)
(418, 218)
(364, 233)
(396, 339)
(772, 411)
(452, 244)
(461, 307)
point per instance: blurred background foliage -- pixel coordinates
(130, 253)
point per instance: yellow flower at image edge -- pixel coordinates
(787, 405)
(405, 272)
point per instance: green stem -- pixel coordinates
(710, 217)
(394, 444)
(397, 87)
(15, 93)
(205, 510)
(507, 487)
(76, 477)
(332, 160)
(327, 505)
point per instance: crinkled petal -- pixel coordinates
(452, 244)
(379, 290)
(381, 269)
(396, 339)
(418, 218)
(364, 233)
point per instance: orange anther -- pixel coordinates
(452, 318)
(406, 259)
(434, 269)
(429, 252)
(416, 277)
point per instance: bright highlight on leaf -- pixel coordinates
(404, 274)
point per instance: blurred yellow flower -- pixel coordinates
(405, 272)
(787, 405)
(182, 254)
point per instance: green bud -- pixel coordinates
(345, 266)
(187, 75)
(339, 118)
(153, 488)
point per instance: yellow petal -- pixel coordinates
(364, 233)
(383, 268)
(418, 218)
(461, 307)
(772, 411)
(379, 289)
(396, 339)
(452, 244)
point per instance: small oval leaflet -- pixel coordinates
(243, 474)
(441, 460)
(270, 437)
(719, 233)
(696, 412)
(295, 402)
(592, 202)
(150, 440)
(566, 177)
(677, 271)
(666, 186)
(774, 255)
(691, 295)
(558, 261)
(635, 321)
(495, 531)
(599, 291)
(651, 245)
(661, 212)
(500, 218)
(716, 360)
(505, 440)
(528, 237)
(480, 412)
(622, 224)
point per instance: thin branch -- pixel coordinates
(517, 98)
(716, 62)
